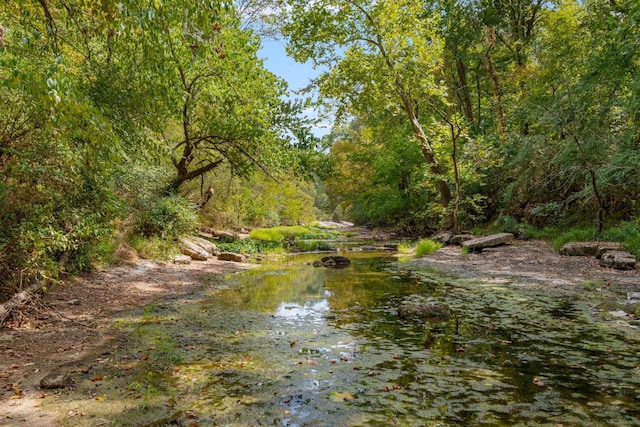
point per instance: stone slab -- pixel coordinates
(477, 244)
(620, 260)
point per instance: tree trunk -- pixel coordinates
(463, 93)
(497, 87)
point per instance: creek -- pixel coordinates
(288, 344)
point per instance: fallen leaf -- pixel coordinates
(538, 382)
(99, 398)
(97, 378)
(340, 397)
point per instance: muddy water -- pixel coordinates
(294, 345)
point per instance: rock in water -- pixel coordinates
(476, 245)
(56, 380)
(620, 260)
(335, 261)
(424, 310)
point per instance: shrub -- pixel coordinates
(426, 247)
(167, 217)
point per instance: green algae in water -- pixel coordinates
(284, 344)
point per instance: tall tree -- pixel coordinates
(383, 56)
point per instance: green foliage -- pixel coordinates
(167, 217)
(426, 247)
(153, 247)
(405, 248)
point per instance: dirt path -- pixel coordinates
(74, 320)
(77, 320)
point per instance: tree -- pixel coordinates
(383, 57)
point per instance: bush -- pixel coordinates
(426, 247)
(167, 217)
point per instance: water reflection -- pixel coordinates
(507, 355)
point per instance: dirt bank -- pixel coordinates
(530, 262)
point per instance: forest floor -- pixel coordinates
(77, 320)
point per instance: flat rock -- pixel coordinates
(230, 256)
(479, 243)
(182, 259)
(190, 248)
(620, 260)
(596, 249)
(56, 380)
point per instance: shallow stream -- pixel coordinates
(288, 344)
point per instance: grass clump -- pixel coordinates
(426, 247)
(405, 248)
(278, 234)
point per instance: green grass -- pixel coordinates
(278, 234)
(426, 247)
(252, 246)
(405, 248)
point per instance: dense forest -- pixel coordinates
(126, 124)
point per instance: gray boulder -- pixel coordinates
(620, 260)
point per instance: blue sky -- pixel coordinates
(296, 74)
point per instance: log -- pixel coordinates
(21, 298)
